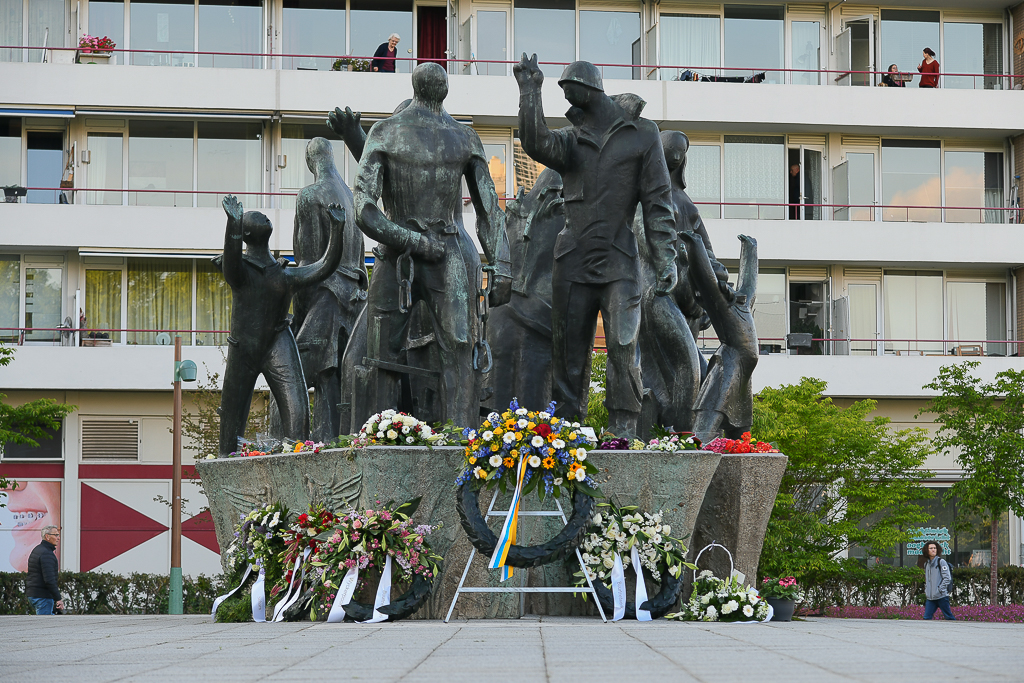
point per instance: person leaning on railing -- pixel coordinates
(929, 70)
(385, 56)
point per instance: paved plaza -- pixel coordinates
(190, 648)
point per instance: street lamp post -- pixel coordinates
(183, 371)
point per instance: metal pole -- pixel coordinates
(175, 604)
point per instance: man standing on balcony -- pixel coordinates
(416, 161)
(610, 160)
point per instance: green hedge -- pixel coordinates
(105, 593)
(855, 585)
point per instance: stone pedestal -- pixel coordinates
(672, 482)
(735, 512)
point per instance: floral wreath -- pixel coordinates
(365, 539)
(617, 530)
(302, 535)
(526, 450)
(393, 428)
(715, 599)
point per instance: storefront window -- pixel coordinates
(313, 27)
(905, 33)
(107, 19)
(973, 49)
(296, 174)
(690, 41)
(754, 40)
(913, 311)
(611, 38)
(11, 29)
(547, 28)
(374, 20)
(231, 26)
(166, 26)
(704, 179)
(10, 151)
(229, 162)
(976, 314)
(910, 178)
(755, 166)
(213, 305)
(10, 296)
(103, 304)
(43, 303)
(972, 549)
(974, 179)
(160, 158)
(159, 299)
(105, 168)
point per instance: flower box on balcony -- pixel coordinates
(95, 57)
(96, 342)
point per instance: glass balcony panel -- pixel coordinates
(755, 166)
(547, 28)
(106, 19)
(754, 40)
(11, 31)
(905, 33)
(10, 296)
(103, 304)
(43, 303)
(168, 26)
(231, 26)
(160, 158)
(159, 300)
(611, 38)
(229, 156)
(374, 20)
(690, 42)
(910, 178)
(313, 27)
(106, 167)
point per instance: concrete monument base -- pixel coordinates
(672, 482)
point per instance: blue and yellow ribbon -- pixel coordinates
(507, 538)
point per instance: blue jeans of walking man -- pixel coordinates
(943, 604)
(42, 605)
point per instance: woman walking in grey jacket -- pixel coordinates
(937, 580)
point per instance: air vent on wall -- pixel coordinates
(110, 439)
(863, 140)
(862, 273)
(808, 273)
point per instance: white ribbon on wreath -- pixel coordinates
(222, 598)
(619, 588)
(348, 588)
(289, 598)
(259, 599)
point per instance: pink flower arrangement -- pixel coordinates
(785, 588)
(89, 43)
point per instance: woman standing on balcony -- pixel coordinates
(384, 57)
(929, 70)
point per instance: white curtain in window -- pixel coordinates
(966, 310)
(10, 29)
(863, 319)
(754, 169)
(105, 169)
(10, 295)
(45, 25)
(704, 178)
(690, 42)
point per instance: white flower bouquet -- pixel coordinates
(716, 599)
(392, 428)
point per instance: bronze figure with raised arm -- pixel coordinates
(261, 339)
(611, 160)
(725, 402)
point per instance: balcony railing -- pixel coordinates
(899, 213)
(673, 72)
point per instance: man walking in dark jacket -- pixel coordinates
(41, 584)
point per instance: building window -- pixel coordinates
(43, 303)
(313, 27)
(374, 20)
(547, 28)
(106, 167)
(11, 18)
(754, 174)
(228, 160)
(974, 179)
(976, 315)
(611, 38)
(51, 447)
(973, 49)
(913, 311)
(704, 179)
(213, 305)
(910, 178)
(159, 299)
(905, 33)
(45, 27)
(163, 25)
(691, 41)
(296, 174)
(10, 149)
(160, 158)
(44, 165)
(754, 40)
(806, 51)
(10, 297)
(231, 26)
(107, 19)
(103, 304)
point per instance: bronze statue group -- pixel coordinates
(607, 228)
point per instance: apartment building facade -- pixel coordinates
(887, 217)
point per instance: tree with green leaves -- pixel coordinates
(27, 423)
(981, 425)
(851, 479)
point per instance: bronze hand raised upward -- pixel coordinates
(528, 73)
